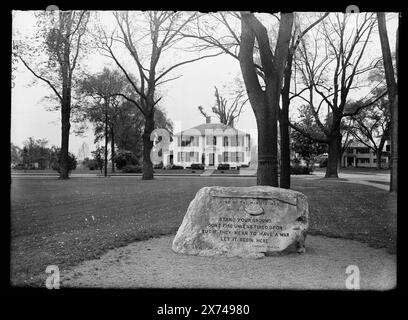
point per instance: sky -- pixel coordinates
(181, 97)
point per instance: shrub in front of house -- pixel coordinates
(158, 165)
(297, 169)
(132, 169)
(197, 166)
(323, 163)
(175, 167)
(72, 162)
(92, 164)
(125, 158)
(223, 166)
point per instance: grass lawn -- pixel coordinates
(66, 222)
(117, 171)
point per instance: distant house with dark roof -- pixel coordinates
(209, 144)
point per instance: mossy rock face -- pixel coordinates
(249, 222)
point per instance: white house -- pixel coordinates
(358, 154)
(209, 144)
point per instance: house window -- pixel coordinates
(363, 150)
(388, 148)
(211, 140)
(363, 160)
(225, 141)
(233, 141)
(226, 156)
(187, 141)
(242, 141)
(240, 156)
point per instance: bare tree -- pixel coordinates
(392, 87)
(265, 102)
(329, 66)
(163, 31)
(226, 113)
(297, 35)
(61, 38)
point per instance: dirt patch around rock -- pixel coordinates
(152, 264)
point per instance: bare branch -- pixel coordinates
(41, 78)
(362, 106)
(307, 134)
(185, 62)
(131, 100)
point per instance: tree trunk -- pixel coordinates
(334, 154)
(65, 128)
(106, 142)
(394, 169)
(265, 103)
(285, 153)
(147, 147)
(378, 157)
(267, 150)
(394, 146)
(392, 96)
(284, 127)
(112, 148)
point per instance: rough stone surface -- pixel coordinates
(248, 222)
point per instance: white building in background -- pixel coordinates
(357, 154)
(209, 144)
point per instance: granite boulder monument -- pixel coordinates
(248, 222)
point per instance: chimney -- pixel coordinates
(208, 119)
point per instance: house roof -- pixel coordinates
(359, 144)
(209, 128)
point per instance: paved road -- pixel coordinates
(373, 179)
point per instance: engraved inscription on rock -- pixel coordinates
(243, 221)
